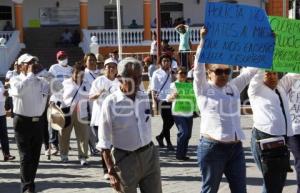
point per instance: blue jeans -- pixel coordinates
(184, 126)
(273, 180)
(216, 158)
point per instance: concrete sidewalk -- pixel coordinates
(177, 177)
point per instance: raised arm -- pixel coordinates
(256, 82)
(287, 81)
(244, 78)
(200, 81)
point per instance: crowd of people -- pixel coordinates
(110, 112)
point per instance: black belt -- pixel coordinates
(33, 119)
(141, 149)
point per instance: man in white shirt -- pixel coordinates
(220, 150)
(29, 95)
(271, 117)
(125, 124)
(60, 71)
(160, 87)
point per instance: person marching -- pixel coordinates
(101, 88)
(29, 95)
(125, 125)
(271, 119)
(220, 149)
(183, 120)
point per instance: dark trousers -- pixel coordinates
(274, 180)
(294, 144)
(184, 126)
(4, 136)
(29, 139)
(44, 123)
(168, 121)
(184, 59)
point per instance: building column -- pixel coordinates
(18, 5)
(83, 14)
(147, 20)
(278, 8)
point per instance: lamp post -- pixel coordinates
(284, 8)
(158, 23)
(119, 29)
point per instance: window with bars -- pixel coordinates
(5, 13)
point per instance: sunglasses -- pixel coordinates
(182, 73)
(220, 72)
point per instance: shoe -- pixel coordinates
(54, 150)
(9, 157)
(185, 158)
(64, 158)
(48, 152)
(83, 162)
(160, 141)
(106, 176)
(95, 152)
(170, 147)
(29, 191)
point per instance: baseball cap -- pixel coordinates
(110, 60)
(60, 54)
(25, 58)
(147, 59)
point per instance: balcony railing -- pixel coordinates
(133, 37)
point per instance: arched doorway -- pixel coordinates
(170, 13)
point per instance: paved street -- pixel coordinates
(177, 177)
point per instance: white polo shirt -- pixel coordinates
(220, 107)
(267, 112)
(124, 123)
(29, 94)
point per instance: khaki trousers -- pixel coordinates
(138, 169)
(81, 133)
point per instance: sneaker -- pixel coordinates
(48, 152)
(106, 176)
(83, 162)
(54, 150)
(64, 158)
(9, 157)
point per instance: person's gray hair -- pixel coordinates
(127, 65)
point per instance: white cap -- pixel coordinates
(25, 58)
(110, 60)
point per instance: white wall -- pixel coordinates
(132, 9)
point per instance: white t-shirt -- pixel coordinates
(104, 86)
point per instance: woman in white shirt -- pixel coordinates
(90, 74)
(101, 88)
(75, 97)
(183, 120)
(220, 150)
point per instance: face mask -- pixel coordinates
(63, 62)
